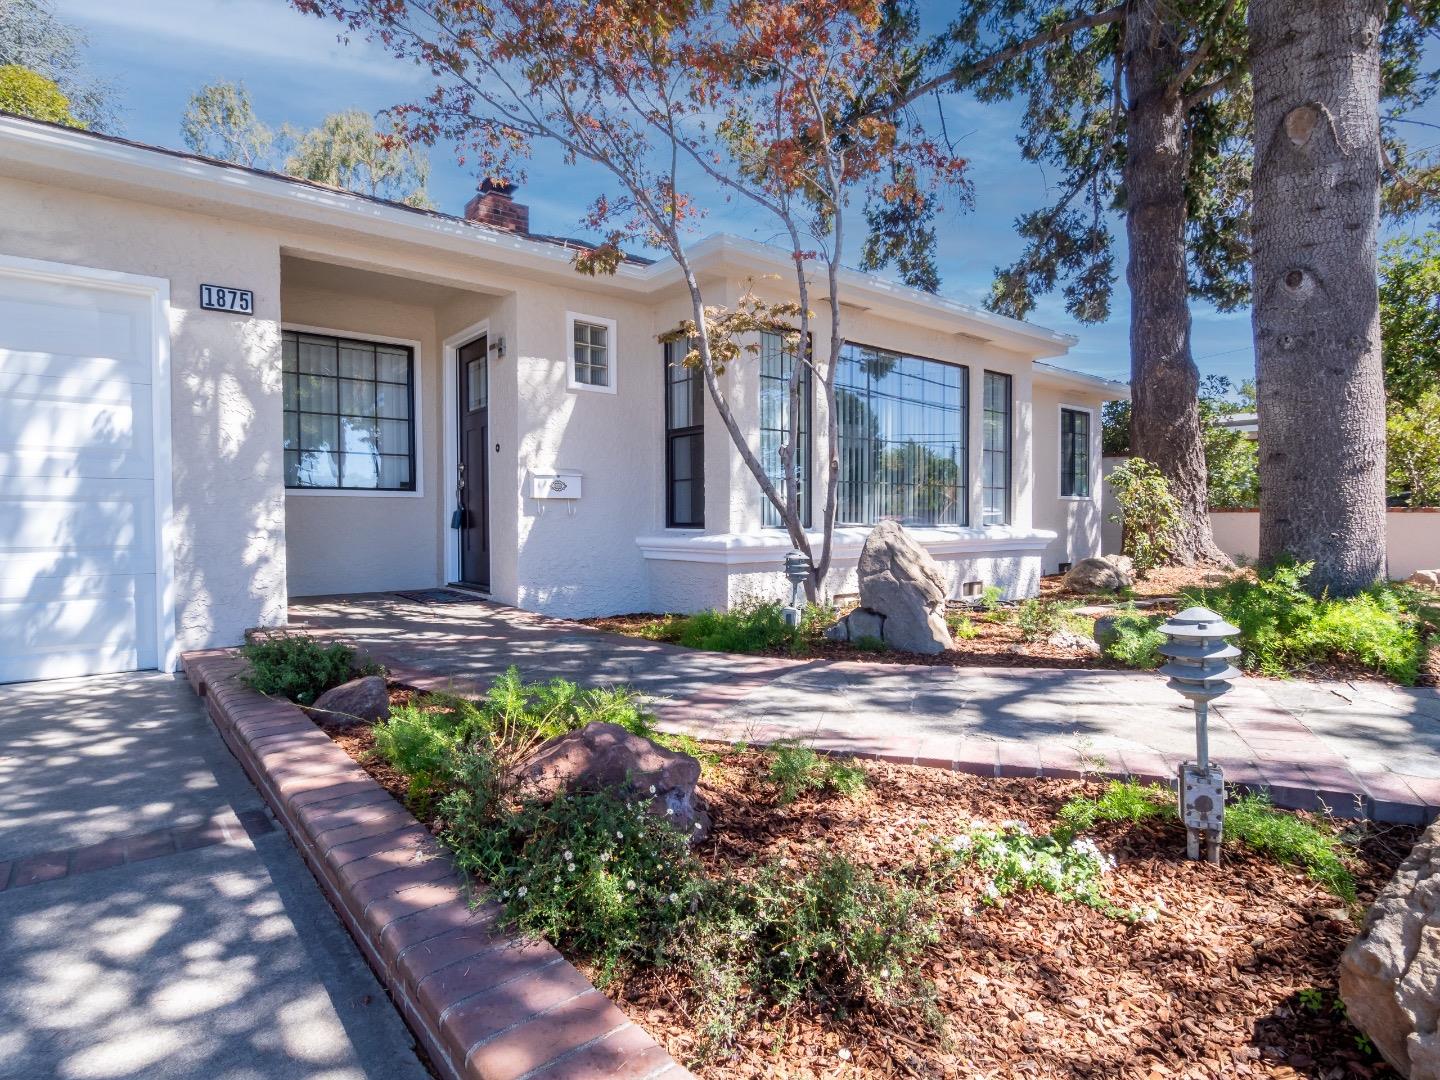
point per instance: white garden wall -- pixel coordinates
(1413, 537)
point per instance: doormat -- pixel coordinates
(439, 596)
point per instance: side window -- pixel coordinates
(684, 442)
(591, 348)
(1075, 453)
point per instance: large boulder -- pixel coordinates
(606, 757)
(902, 583)
(365, 700)
(1390, 973)
(1102, 573)
(1426, 579)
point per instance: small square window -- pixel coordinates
(591, 353)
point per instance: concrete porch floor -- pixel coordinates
(1362, 748)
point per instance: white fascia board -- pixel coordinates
(1050, 375)
(769, 547)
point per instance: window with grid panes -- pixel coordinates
(349, 413)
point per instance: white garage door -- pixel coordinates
(81, 575)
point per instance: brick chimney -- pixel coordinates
(493, 205)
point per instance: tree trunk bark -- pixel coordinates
(1316, 74)
(1164, 381)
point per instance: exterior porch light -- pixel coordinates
(1200, 670)
(797, 572)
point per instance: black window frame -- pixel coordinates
(849, 455)
(411, 419)
(987, 452)
(1074, 454)
(673, 352)
(769, 516)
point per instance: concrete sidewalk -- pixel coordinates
(1359, 747)
(153, 921)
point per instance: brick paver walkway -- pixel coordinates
(1364, 748)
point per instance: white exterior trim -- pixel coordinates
(416, 436)
(1094, 463)
(450, 437)
(158, 291)
(770, 546)
(612, 353)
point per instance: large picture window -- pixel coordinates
(1074, 453)
(777, 362)
(902, 423)
(995, 458)
(349, 413)
(684, 442)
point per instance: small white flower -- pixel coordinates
(605, 856)
(992, 892)
(619, 835)
(961, 842)
(674, 899)
(570, 867)
(697, 825)
(1150, 916)
(669, 811)
(652, 789)
(843, 1054)
(520, 892)
(568, 856)
(884, 973)
(630, 884)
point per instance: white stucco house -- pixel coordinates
(222, 388)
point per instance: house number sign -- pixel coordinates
(223, 298)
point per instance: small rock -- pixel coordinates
(1105, 633)
(606, 757)
(860, 623)
(1427, 579)
(899, 580)
(365, 700)
(1068, 639)
(1101, 573)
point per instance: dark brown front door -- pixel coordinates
(474, 479)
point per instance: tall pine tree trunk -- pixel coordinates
(1315, 67)
(1164, 382)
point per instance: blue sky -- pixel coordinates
(157, 52)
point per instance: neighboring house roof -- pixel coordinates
(1079, 380)
(115, 166)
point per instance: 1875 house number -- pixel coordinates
(222, 298)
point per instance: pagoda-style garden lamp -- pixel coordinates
(797, 572)
(1200, 669)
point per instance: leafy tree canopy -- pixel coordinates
(28, 93)
(1410, 316)
(34, 38)
(1413, 452)
(220, 122)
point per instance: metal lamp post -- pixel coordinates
(797, 571)
(1200, 669)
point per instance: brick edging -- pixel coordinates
(484, 1003)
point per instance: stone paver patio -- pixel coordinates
(1361, 748)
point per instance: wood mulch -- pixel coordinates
(1038, 987)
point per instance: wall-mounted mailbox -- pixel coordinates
(555, 485)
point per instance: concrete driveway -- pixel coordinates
(153, 921)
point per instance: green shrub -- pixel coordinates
(422, 740)
(869, 643)
(1286, 838)
(749, 628)
(990, 598)
(1038, 619)
(795, 769)
(296, 666)
(1137, 640)
(1059, 864)
(817, 618)
(519, 710)
(1122, 801)
(599, 875)
(838, 934)
(961, 628)
(1282, 627)
(1149, 513)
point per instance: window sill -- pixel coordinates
(353, 493)
(590, 388)
(768, 546)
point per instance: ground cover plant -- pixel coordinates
(942, 925)
(795, 769)
(298, 667)
(1283, 628)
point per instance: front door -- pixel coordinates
(473, 483)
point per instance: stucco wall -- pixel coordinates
(1412, 538)
(1075, 521)
(347, 542)
(226, 413)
